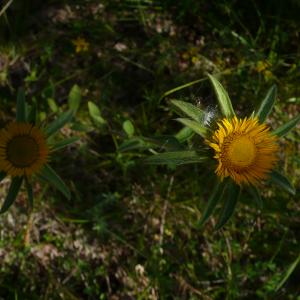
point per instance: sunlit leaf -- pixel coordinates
(267, 104)
(231, 200)
(285, 128)
(195, 126)
(12, 193)
(50, 175)
(175, 158)
(223, 98)
(190, 110)
(57, 124)
(282, 181)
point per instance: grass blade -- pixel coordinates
(234, 192)
(212, 202)
(64, 143)
(50, 175)
(21, 110)
(190, 110)
(223, 98)
(285, 128)
(267, 104)
(12, 193)
(176, 158)
(59, 122)
(288, 273)
(282, 181)
(195, 126)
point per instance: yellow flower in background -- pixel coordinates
(245, 150)
(81, 45)
(23, 149)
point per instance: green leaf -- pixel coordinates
(64, 143)
(2, 175)
(184, 134)
(256, 195)
(128, 128)
(12, 193)
(284, 129)
(176, 158)
(288, 273)
(50, 175)
(74, 98)
(59, 122)
(234, 192)
(267, 104)
(95, 114)
(213, 200)
(29, 193)
(282, 181)
(223, 98)
(21, 111)
(195, 126)
(52, 104)
(190, 110)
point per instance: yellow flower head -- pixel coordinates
(23, 149)
(245, 150)
(81, 45)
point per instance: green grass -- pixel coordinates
(130, 230)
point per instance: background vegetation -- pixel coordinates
(129, 230)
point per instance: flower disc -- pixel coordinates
(245, 150)
(23, 149)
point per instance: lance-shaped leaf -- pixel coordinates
(184, 134)
(64, 143)
(195, 126)
(12, 193)
(267, 104)
(282, 181)
(223, 98)
(213, 200)
(74, 98)
(175, 158)
(256, 196)
(285, 128)
(95, 114)
(50, 175)
(21, 110)
(288, 273)
(190, 110)
(59, 122)
(234, 192)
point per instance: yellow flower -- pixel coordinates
(245, 150)
(23, 149)
(81, 45)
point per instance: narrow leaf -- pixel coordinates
(74, 98)
(12, 193)
(256, 195)
(190, 110)
(284, 129)
(49, 174)
(288, 273)
(128, 128)
(184, 134)
(282, 181)
(21, 111)
(267, 104)
(176, 158)
(229, 205)
(195, 126)
(223, 98)
(64, 143)
(213, 200)
(95, 114)
(59, 122)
